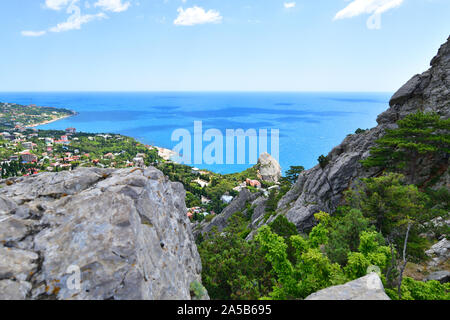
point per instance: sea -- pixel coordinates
(308, 124)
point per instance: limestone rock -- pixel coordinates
(123, 233)
(439, 252)
(322, 188)
(14, 290)
(220, 221)
(442, 276)
(368, 287)
(269, 168)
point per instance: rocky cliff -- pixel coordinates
(96, 234)
(368, 287)
(321, 188)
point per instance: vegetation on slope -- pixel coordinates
(384, 223)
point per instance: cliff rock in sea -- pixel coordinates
(322, 188)
(122, 233)
(368, 287)
(269, 168)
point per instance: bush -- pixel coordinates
(323, 161)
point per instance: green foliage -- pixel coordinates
(391, 205)
(417, 135)
(282, 227)
(311, 271)
(323, 161)
(232, 267)
(191, 200)
(197, 290)
(359, 131)
(419, 290)
(293, 173)
(344, 229)
(370, 252)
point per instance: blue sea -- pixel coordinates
(309, 124)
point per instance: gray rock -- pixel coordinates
(17, 264)
(439, 253)
(124, 233)
(368, 287)
(239, 203)
(441, 276)
(14, 290)
(322, 188)
(13, 229)
(269, 168)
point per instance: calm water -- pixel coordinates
(310, 124)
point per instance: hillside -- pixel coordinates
(321, 189)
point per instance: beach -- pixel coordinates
(50, 121)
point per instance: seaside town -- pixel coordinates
(26, 150)
(16, 116)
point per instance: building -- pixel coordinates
(7, 136)
(28, 157)
(27, 145)
(71, 130)
(253, 183)
(226, 199)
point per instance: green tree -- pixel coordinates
(344, 229)
(234, 268)
(391, 206)
(418, 135)
(293, 173)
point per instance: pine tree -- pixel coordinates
(418, 135)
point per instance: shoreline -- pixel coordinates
(166, 154)
(50, 121)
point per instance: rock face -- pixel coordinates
(368, 287)
(442, 276)
(321, 188)
(269, 168)
(96, 234)
(220, 221)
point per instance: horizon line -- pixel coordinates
(195, 91)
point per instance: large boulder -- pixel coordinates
(322, 188)
(439, 253)
(368, 287)
(96, 234)
(442, 276)
(269, 168)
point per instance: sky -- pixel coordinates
(218, 45)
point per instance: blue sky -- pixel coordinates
(217, 45)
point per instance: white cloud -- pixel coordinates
(196, 15)
(113, 5)
(290, 5)
(33, 33)
(56, 4)
(373, 7)
(76, 19)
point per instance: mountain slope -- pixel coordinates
(322, 188)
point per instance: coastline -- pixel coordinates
(50, 121)
(166, 154)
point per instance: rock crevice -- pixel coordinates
(123, 232)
